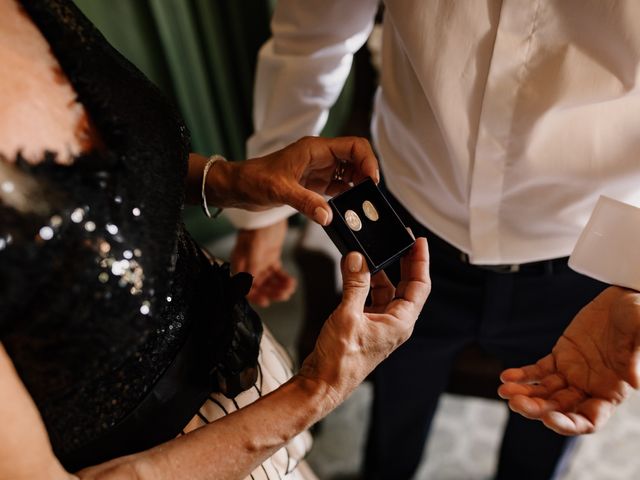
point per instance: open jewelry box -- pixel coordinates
(364, 221)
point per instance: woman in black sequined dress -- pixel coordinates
(122, 330)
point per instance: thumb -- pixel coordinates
(355, 280)
(311, 204)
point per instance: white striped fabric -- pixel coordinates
(275, 368)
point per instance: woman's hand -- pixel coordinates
(593, 368)
(297, 175)
(355, 339)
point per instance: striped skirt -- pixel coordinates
(275, 368)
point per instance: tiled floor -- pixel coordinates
(465, 434)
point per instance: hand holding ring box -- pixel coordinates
(364, 221)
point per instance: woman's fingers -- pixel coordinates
(359, 161)
(333, 164)
(303, 171)
(309, 203)
(382, 290)
(297, 175)
(415, 284)
(355, 281)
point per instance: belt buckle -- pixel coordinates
(512, 268)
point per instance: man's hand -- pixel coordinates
(593, 368)
(259, 253)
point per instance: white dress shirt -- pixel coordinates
(498, 124)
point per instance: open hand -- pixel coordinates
(593, 367)
(355, 339)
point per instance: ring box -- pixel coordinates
(364, 221)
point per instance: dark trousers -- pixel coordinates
(515, 316)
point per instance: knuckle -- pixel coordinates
(355, 283)
(363, 143)
(306, 205)
(426, 287)
(405, 334)
(345, 312)
(306, 141)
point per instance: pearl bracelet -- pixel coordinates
(205, 207)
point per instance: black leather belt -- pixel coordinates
(551, 266)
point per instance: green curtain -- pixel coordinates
(201, 53)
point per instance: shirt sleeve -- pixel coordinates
(300, 73)
(607, 249)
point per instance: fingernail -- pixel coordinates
(354, 262)
(377, 176)
(321, 216)
(411, 233)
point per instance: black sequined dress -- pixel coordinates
(115, 320)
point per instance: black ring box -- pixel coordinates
(383, 241)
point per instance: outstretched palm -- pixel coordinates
(592, 368)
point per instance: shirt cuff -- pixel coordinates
(609, 247)
(245, 220)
